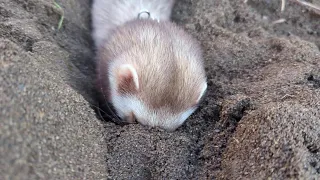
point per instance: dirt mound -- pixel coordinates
(260, 118)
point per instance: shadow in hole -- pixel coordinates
(81, 67)
(82, 79)
(105, 111)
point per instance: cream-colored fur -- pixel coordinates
(168, 77)
(109, 14)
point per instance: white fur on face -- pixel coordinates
(203, 90)
(124, 105)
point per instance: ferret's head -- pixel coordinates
(163, 103)
(159, 80)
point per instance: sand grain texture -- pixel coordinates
(260, 119)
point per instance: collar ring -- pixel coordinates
(144, 15)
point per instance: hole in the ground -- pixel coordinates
(310, 145)
(236, 113)
(315, 165)
(277, 47)
(313, 148)
(106, 112)
(315, 81)
(28, 45)
(238, 18)
(310, 78)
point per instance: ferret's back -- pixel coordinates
(109, 14)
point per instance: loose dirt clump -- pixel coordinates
(260, 118)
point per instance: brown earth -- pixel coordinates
(260, 119)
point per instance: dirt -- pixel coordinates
(259, 120)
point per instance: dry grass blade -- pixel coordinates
(303, 3)
(62, 16)
(282, 20)
(314, 7)
(283, 5)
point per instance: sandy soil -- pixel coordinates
(260, 120)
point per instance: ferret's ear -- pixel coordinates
(202, 92)
(127, 79)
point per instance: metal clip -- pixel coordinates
(144, 15)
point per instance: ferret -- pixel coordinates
(148, 68)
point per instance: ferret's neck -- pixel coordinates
(146, 14)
